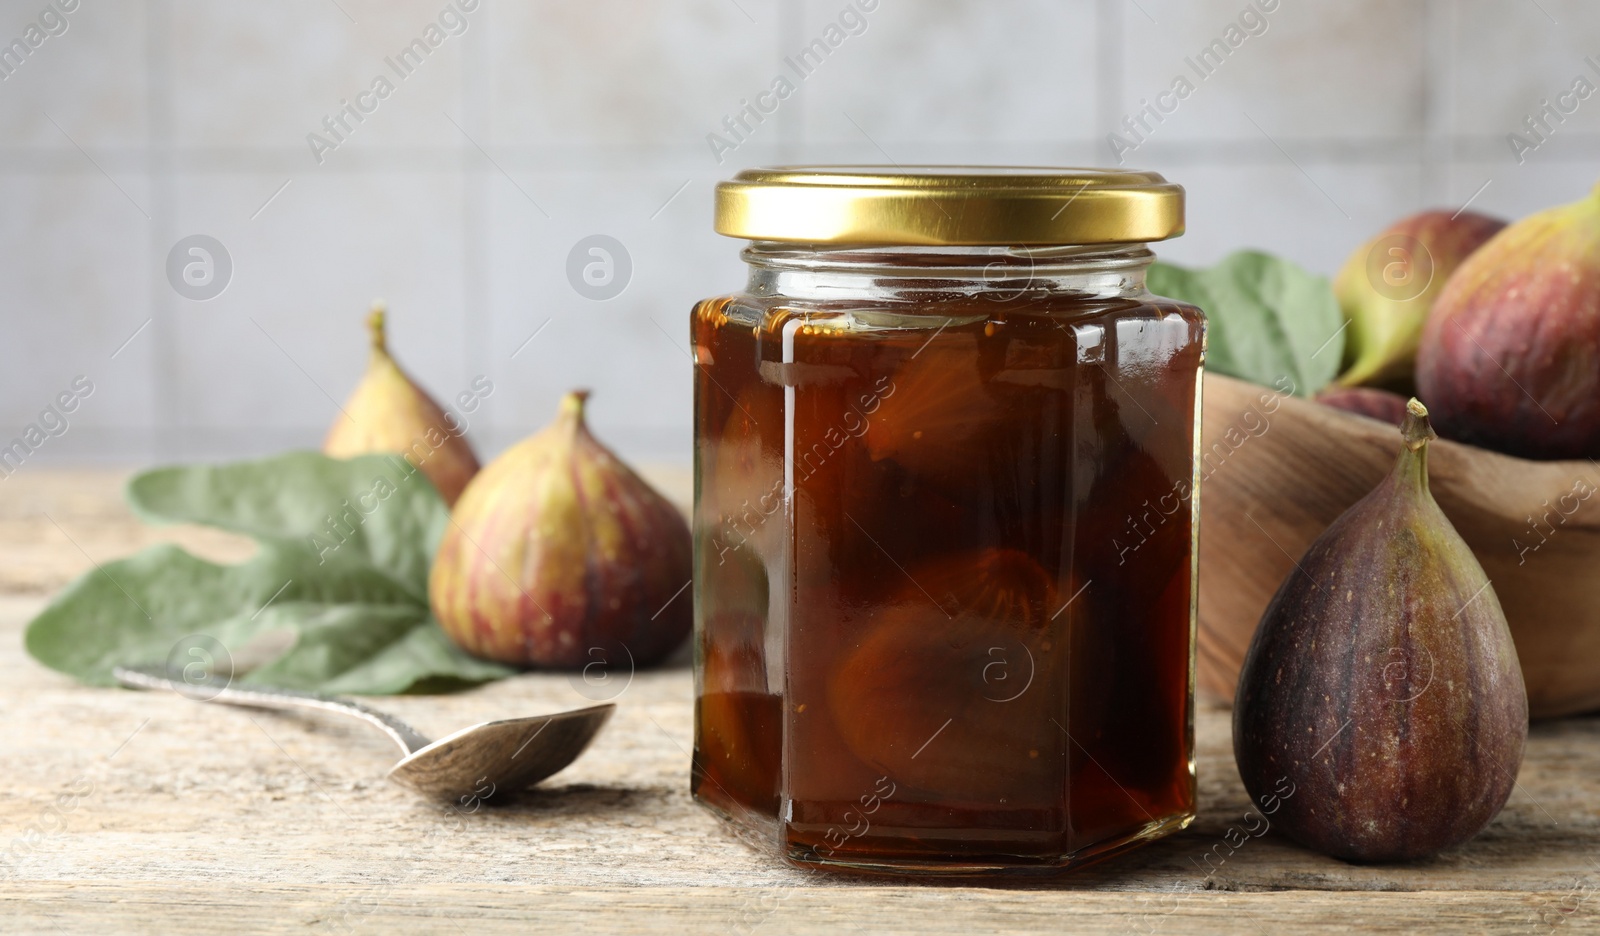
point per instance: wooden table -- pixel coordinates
(137, 812)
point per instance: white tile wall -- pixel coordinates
(1304, 71)
(620, 73)
(543, 122)
(1512, 54)
(948, 71)
(92, 79)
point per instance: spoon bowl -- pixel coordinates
(512, 754)
(506, 756)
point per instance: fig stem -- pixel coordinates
(375, 325)
(1416, 430)
(1411, 468)
(572, 405)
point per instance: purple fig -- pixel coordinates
(1390, 283)
(1381, 709)
(559, 555)
(1370, 402)
(1510, 359)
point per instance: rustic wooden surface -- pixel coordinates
(136, 812)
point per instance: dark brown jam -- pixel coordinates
(944, 575)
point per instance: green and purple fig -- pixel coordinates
(558, 555)
(1382, 405)
(1388, 286)
(1381, 708)
(1510, 359)
(388, 412)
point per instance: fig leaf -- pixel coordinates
(341, 567)
(1266, 318)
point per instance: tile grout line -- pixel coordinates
(476, 86)
(786, 32)
(1435, 180)
(1108, 66)
(164, 379)
(1224, 152)
(1452, 58)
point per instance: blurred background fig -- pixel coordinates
(388, 412)
(560, 556)
(1371, 402)
(1510, 358)
(1388, 286)
(1381, 701)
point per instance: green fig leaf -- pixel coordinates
(350, 505)
(1266, 318)
(341, 567)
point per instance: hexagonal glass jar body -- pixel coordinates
(945, 528)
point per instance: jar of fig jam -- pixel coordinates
(945, 519)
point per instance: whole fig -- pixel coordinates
(1510, 359)
(388, 412)
(1388, 286)
(1381, 708)
(559, 555)
(1382, 405)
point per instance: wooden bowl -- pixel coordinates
(1277, 470)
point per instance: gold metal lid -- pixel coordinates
(949, 205)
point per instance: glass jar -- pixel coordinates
(945, 520)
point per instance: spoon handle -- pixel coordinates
(229, 693)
